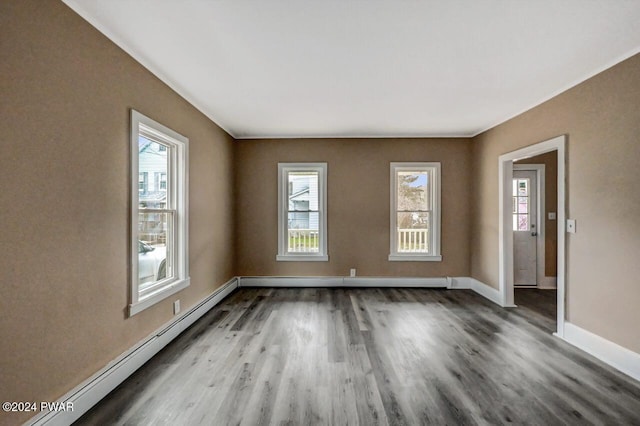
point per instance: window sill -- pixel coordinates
(173, 288)
(302, 258)
(414, 258)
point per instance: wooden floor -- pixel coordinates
(372, 356)
(538, 302)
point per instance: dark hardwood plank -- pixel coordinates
(372, 357)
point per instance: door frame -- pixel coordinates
(505, 232)
(540, 216)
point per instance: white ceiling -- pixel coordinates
(377, 68)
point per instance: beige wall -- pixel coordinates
(602, 120)
(66, 92)
(358, 204)
(550, 161)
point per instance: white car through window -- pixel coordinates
(152, 263)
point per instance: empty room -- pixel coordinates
(320, 213)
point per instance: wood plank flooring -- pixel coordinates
(371, 357)
(537, 302)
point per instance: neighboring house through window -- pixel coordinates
(302, 219)
(159, 262)
(415, 212)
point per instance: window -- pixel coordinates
(163, 181)
(159, 257)
(521, 204)
(302, 219)
(142, 182)
(415, 212)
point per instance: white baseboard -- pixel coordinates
(92, 390)
(479, 287)
(301, 282)
(459, 283)
(487, 291)
(620, 358)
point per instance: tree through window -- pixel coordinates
(415, 218)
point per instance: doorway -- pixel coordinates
(506, 229)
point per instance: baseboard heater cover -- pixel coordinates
(302, 282)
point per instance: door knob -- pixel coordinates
(534, 234)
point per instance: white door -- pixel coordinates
(525, 227)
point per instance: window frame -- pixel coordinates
(435, 183)
(178, 190)
(283, 209)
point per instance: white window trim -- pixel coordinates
(283, 190)
(180, 186)
(435, 225)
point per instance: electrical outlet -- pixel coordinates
(552, 215)
(352, 273)
(571, 226)
(176, 307)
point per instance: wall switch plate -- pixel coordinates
(552, 215)
(176, 307)
(352, 273)
(571, 226)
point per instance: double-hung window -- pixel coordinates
(159, 256)
(302, 218)
(415, 212)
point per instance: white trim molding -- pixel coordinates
(484, 290)
(413, 258)
(620, 358)
(92, 390)
(505, 224)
